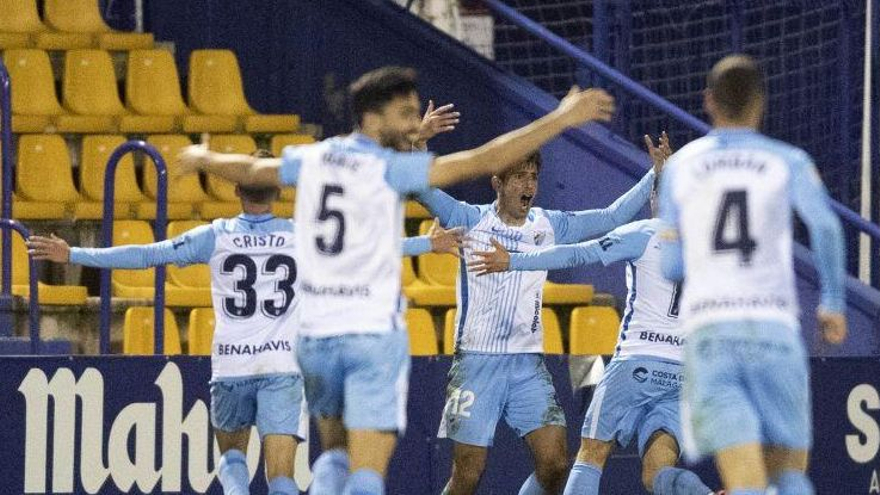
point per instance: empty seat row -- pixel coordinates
(593, 330)
(91, 102)
(67, 24)
(46, 155)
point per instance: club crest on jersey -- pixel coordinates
(539, 237)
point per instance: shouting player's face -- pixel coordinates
(517, 190)
(399, 126)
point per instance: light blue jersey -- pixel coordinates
(501, 313)
(727, 200)
(729, 197)
(650, 322)
(349, 213)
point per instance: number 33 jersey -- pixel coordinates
(731, 195)
(252, 286)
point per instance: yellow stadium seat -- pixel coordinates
(48, 294)
(422, 293)
(201, 331)
(90, 89)
(153, 88)
(594, 330)
(20, 16)
(96, 151)
(84, 17)
(221, 189)
(21, 27)
(437, 274)
(415, 210)
(34, 104)
(137, 332)
(215, 87)
(422, 336)
(41, 156)
(185, 192)
(449, 332)
(280, 141)
(140, 283)
(552, 332)
(571, 294)
(193, 276)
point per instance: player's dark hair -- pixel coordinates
(532, 159)
(373, 90)
(736, 81)
(260, 194)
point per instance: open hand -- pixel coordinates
(490, 261)
(659, 154)
(833, 326)
(579, 106)
(445, 241)
(50, 248)
(436, 121)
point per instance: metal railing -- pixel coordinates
(6, 208)
(34, 300)
(160, 233)
(641, 92)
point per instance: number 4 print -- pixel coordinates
(735, 210)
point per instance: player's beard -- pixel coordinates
(395, 140)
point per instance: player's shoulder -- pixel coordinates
(791, 153)
(281, 225)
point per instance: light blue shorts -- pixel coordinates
(745, 382)
(274, 403)
(636, 397)
(484, 388)
(361, 378)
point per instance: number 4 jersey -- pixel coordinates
(730, 195)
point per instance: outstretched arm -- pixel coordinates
(437, 240)
(450, 212)
(625, 243)
(239, 169)
(671, 256)
(576, 108)
(191, 247)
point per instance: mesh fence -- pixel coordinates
(812, 53)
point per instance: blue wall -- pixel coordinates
(298, 55)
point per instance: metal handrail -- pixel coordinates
(160, 232)
(6, 143)
(645, 94)
(6, 225)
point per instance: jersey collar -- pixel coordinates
(263, 217)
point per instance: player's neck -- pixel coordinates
(509, 219)
(257, 209)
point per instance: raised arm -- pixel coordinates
(450, 212)
(577, 226)
(191, 247)
(494, 157)
(671, 256)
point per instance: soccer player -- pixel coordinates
(498, 371)
(352, 347)
(639, 392)
(726, 199)
(255, 379)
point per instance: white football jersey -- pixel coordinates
(501, 312)
(732, 196)
(650, 324)
(349, 212)
(253, 275)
